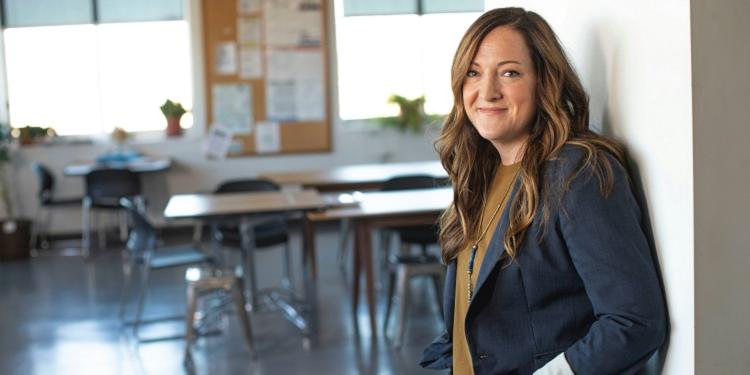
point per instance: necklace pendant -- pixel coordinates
(475, 247)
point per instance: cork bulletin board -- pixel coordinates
(266, 74)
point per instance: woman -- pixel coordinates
(549, 268)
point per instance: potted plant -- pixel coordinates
(173, 111)
(411, 117)
(15, 233)
(34, 134)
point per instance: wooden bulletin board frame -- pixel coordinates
(220, 25)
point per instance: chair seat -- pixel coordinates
(418, 234)
(413, 259)
(62, 202)
(266, 235)
(178, 256)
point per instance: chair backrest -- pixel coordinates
(46, 182)
(108, 184)
(142, 237)
(409, 182)
(239, 186)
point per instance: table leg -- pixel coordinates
(309, 260)
(364, 244)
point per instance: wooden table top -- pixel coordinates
(184, 206)
(388, 203)
(354, 176)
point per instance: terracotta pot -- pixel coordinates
(15, 238)
(173, 127)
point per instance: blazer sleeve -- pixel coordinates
(439, 354)
(609, 250)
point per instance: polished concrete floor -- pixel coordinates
(58, 315)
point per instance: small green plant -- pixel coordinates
(412, 116)
(172, 109)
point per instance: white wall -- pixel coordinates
(634, 60)
(352, 143)
(721, 98)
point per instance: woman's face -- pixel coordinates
(499, 89)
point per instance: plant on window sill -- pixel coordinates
(412, 116)
(173, 111)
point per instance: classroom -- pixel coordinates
(302, 186)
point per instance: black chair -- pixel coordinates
(403, 266)
(143, 251)
(104, 189)
(267, 234)
(47, 203)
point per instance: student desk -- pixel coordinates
(376, 209)
(355, 177)
(250, 209)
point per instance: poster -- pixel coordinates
(226, 58)
(232, 107)
(267, 137)
(294, 85)
(250, 63)
(293, 23)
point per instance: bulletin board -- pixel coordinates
(266, 74)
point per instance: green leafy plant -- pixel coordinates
(412, 116)
(172, 109)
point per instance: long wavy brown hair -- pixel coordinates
(562, 118)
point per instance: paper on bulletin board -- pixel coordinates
(248, 6)
(217, 142)
(250, 63)
(294, 85)
(293, 23)
(248, 31)
(232, 107)
(226, 58)
(267, 137)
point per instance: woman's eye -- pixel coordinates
(511, 73)
(471, 73)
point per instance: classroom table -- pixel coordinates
(354, 177)
(250, 209)
(144, 164)
(375, 210)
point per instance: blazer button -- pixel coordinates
(482, 356)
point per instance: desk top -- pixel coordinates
(140, 165)
(353, 177)
(389, 203)
(186, 206)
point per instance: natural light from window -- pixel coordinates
(88, 79)
(408, 55)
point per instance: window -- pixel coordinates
(70, 67)
(405, 54)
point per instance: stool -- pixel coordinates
(201, 282)
(403, 268)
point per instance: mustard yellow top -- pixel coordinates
(504, 176)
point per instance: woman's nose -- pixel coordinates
(489, 89)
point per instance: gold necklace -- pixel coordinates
(470, 268)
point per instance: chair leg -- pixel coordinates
(389, 302)
(126, 285)
(35, 225)
(44, 234)
(402, 294)
(189, 319)
(288, 281)
(85, 227)
(141, 299)
(100, 233)
(122, 219)
(239, 305)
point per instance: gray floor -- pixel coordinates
(58, 315)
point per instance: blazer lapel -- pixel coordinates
(449, 295)
(496, 248)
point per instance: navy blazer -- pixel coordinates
(586, 285)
